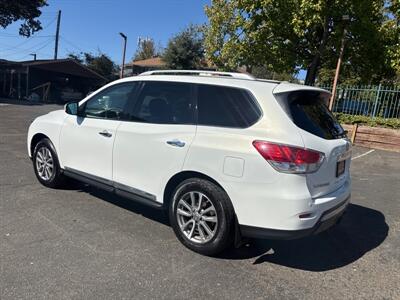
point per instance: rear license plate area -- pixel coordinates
(340, 167)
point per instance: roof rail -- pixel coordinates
(199, 73)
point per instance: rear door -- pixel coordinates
(152, 145)
(320, 131)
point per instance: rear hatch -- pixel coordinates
(319, 129)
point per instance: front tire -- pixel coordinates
(202, 216)
(46, 166)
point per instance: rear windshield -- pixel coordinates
(308, 111)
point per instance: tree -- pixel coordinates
(391, 34)
(288, 35)
(146, 49)
(264, 73)
(100, 63)
(78, 57)
(185, 50)
(22, 10)
(240, 34)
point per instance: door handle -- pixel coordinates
(105, 133)
(176, 143)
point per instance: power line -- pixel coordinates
(38, 51)
(43, 54)
(50, 41)
(48, 24)
(33, 48)
(72, 44)
(48, 11)
(18, 49)
(29, 38)
(4, 34)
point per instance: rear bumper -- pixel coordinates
(328, 219)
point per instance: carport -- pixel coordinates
(49, 81)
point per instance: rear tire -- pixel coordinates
(202, 216)
(46, 166)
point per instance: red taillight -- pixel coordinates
(289, 159)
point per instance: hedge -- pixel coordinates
(369, 121)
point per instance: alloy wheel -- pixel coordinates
(44, 163)
(197, 217)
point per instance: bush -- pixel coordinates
(369, 121)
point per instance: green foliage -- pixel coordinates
(76, 57)
(146, 49)
(22, 10)
(264, 73)
(285, 35)
(325, 77)
(100, 63)
(390, 32)
(369, 121)
(243, 33)
(185, 50)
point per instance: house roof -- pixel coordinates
(149, 62)
(66, 66)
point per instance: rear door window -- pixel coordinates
(308, 111)
(162, 102)
(226, 107)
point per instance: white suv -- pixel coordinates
(228, 155)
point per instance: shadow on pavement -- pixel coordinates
(157, 215)
(361, 230)
(21, 102)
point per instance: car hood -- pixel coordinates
(55, 114)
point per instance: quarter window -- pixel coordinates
(110, 103)
(226, 107)
(164, 103)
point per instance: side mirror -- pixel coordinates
(71, 108)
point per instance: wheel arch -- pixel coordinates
(175, 180)
(35, 140)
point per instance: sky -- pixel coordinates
(93, 25)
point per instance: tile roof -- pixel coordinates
(149, 62)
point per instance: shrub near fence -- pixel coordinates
(373, 101)
(392, 123)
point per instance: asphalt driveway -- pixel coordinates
(86, 243)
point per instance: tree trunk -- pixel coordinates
(313, 67)
(249, 69)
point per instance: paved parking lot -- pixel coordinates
(85, 243)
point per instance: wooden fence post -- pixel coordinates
(354, 132)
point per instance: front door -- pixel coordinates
(151, 147)
(86, 141)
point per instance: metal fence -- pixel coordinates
(373, 101)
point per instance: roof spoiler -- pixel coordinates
(286, 87)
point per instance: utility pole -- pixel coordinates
(123, 55)
(345, 18)
(57, 34)
(34, 55)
